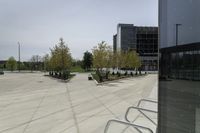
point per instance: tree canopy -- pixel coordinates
(11, 64)
(104, 57)
(87, 60)
(101, 55)
(61, 59)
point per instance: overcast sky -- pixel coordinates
(38, 24)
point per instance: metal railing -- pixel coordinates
(137, 127)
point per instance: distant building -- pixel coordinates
(3, 64)
(144, 40)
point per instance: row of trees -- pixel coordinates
(59, 61)
(35, 63)
(104, 57)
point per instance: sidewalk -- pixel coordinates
(33, 103)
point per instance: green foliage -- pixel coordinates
(96, 77)
(60, 57)
(11, 64)
(46, 61)
(104, 57)
(77, 68)
(126, 60)
(101, 56)
(87, 60)
(2, 66)
(76, 62)
(36, 63)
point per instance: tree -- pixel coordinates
(36, 62)
(102, 58)
(126, 60)
(138, 63)
(132, 60)
(46, 61)
(11, 63)
(132, 55)
(87, 60)
(61, 59)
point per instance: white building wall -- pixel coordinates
(184, 12)
(118, 37)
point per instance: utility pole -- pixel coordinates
(177, 25)
(19, 55)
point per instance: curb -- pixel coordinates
(97, 83)
(107, 82)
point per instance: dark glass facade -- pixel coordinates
(179, 89)
(179, 66)
(115, 42)
(142, 39)
(127, 37)
(147, 47)
(181, 62)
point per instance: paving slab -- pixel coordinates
(34, 103)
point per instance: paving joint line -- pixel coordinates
(36, 110)
(72, 108)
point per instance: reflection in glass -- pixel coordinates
(179, 67)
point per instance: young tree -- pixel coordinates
(127, 60)
(132, 60)
(11, 64)
(35, 62)
(46, 62)
(101, 58)
(121, 59)
(132, 55)
(114, 60)
(61, 59)
(138, 63)
(87, 60)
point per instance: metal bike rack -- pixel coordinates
(137, 127)
(129, 123)
(141, 110)
(145, 100)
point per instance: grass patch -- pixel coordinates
(96, 77)
(77, 69)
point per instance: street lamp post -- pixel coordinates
(19, 55)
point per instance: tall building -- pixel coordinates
(179, 71)
(144, 40)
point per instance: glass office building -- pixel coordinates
(179, 69)
(144, 40)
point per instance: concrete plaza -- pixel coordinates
(33, 103)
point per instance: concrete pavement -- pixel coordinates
(33, 103)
